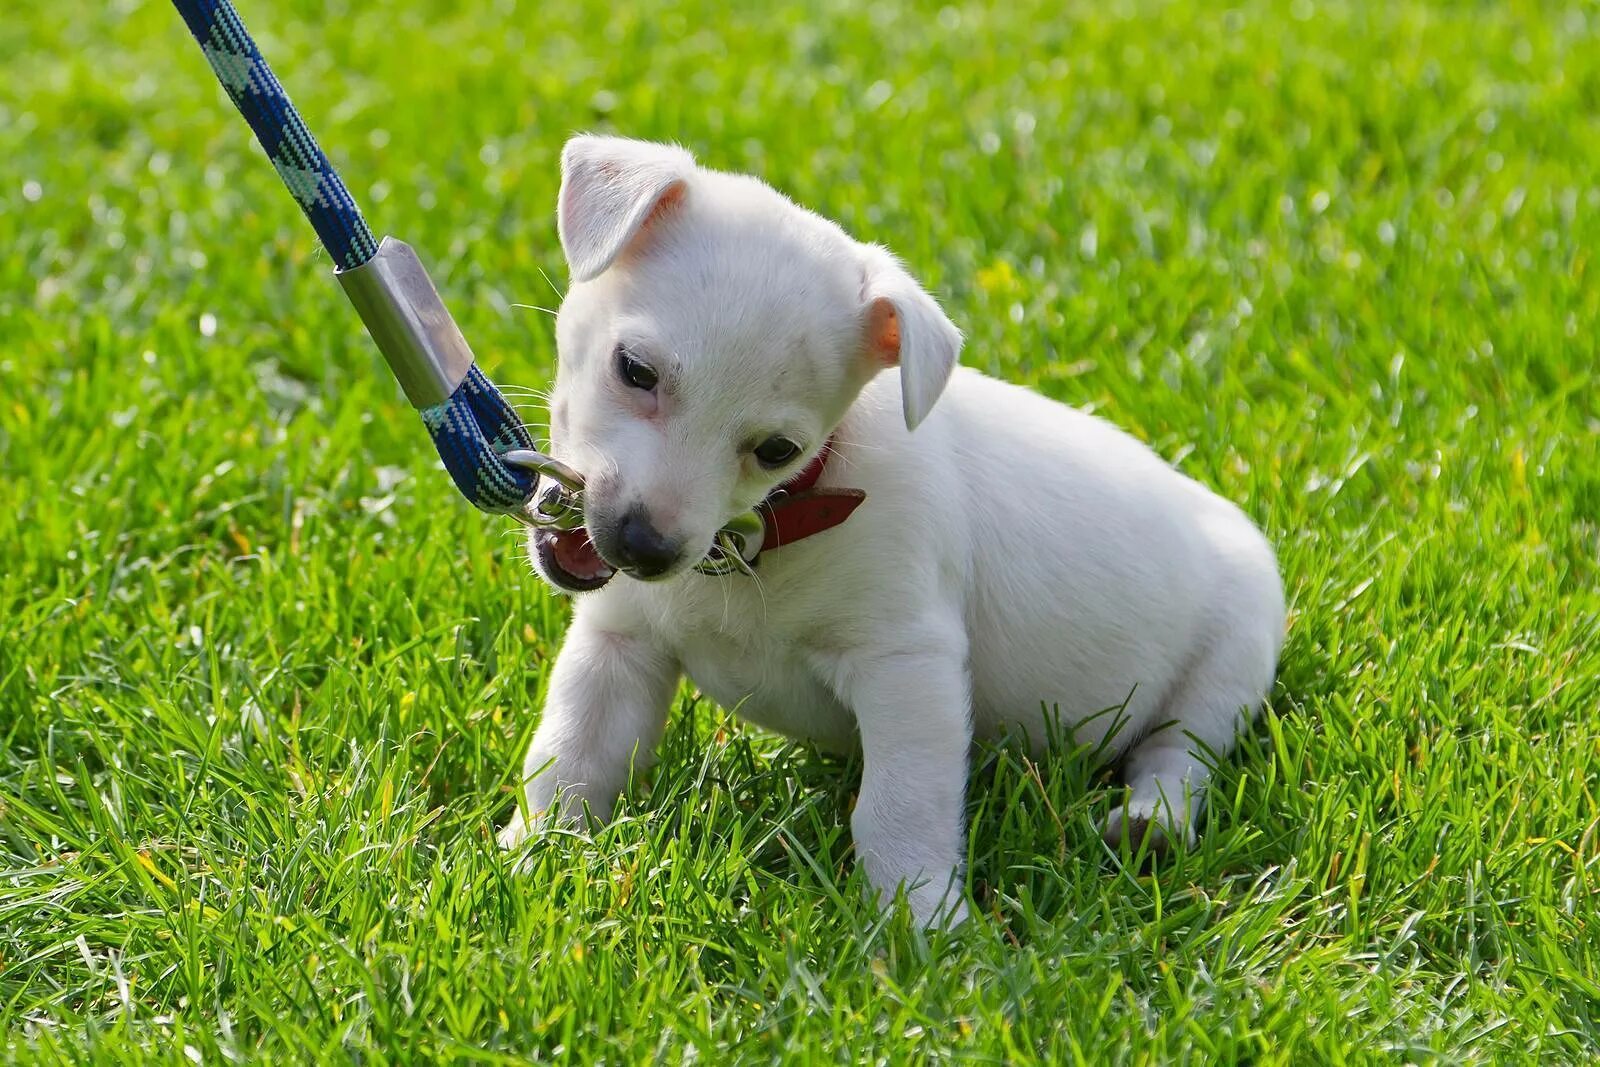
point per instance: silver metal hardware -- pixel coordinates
(559, 506)
(540, 463)
(409, 323)
(737, 546)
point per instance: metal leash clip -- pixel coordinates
(737, 546)
(559, 506)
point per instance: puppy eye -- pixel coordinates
(774, 452)
(635, 371)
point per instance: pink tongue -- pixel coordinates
(577, 556)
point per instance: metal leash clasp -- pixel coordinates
(737, 546)
(559, 506)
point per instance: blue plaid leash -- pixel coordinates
(471, 424)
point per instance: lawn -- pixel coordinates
(264, 678)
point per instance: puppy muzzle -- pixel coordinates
(568, 558)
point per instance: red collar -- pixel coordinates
(797, 508)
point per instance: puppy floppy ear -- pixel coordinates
(612, 190)
(906, 328)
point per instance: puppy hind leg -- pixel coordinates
(1166, 785)
(1167, 771)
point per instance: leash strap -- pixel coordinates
(471, 424)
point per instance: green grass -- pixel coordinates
(264, 678)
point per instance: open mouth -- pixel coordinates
(569, 560)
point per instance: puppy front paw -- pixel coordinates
(515, 832)
(940, 911)
(547, 811)
(523, 828)
(941, 906)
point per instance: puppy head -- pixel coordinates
(713, 336)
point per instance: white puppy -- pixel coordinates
(1014, 559)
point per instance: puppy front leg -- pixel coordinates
(605, 713)
(913, 711)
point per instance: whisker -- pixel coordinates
(761, 587)
(727, 599)
(550, 283)
(535, 307)
(527, 390)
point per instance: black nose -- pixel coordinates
(643, 549)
